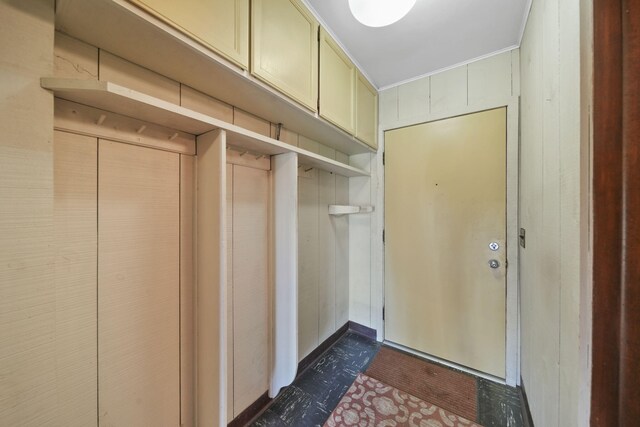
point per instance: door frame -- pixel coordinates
(512, 105)
(615, 346)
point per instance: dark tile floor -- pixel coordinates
(314, 394)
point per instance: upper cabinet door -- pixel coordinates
(337, 85)
(284, 42)
(222, 25)
(366, 112)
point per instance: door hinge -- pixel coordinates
(383, 157)
(383, 236)
(383, 313)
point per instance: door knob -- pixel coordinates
(494, 263)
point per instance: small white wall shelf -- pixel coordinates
(118, 99)
(348, 210)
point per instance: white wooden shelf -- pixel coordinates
(123, 29)
(348, 210)
(121, 100)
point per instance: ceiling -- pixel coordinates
(435, 35)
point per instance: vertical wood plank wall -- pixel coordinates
(323, 289)
(76, 237)
(328, 269)
(187, 290)
(554, 209)
(324, 300)
(28, 371)
(249, 295)
(138, 292)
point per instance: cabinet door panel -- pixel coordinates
(366, 112)
(220, 24)
(285, 48)
(337, 84)
(138, 286)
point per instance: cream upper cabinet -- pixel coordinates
(284, 48)
(337, 85)
(222, 25)
(366, 112)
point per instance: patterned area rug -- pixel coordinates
(371, 403)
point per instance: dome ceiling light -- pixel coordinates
(380, 13)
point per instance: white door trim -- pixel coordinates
(512, 301)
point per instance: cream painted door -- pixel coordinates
(337, 84)
(284, 48)
(138, 286)
(366, 111)
(445, 204)
(220, 24)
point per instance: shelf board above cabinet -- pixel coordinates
(125, 30)
(118, 99)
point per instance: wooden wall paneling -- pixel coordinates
(286, 135)
(490, 78)
(27, 293)
(449, 90)
(205, 104)
(341, 229)
(250, 285)
(388, 105)
(251, 122)
(413, 99)
(211, 290)
(360, 193)
(74, 59)
(285, 259)
(249, 160)
(326, 257)
(230, 335)
(342, 158)
(77, 118)
(138, 285)
(515, 72)
(114, 69)
(308, 144)
(539, 379)
(75, 215)
(307, 262)
(187, 290)
(573, 188)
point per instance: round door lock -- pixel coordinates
(494, 263)
(494, 246)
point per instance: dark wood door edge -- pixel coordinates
(615, 391)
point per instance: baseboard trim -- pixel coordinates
(324, 346)
(524, 403)
(254, 409)
(363, 330)
(263, 403)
